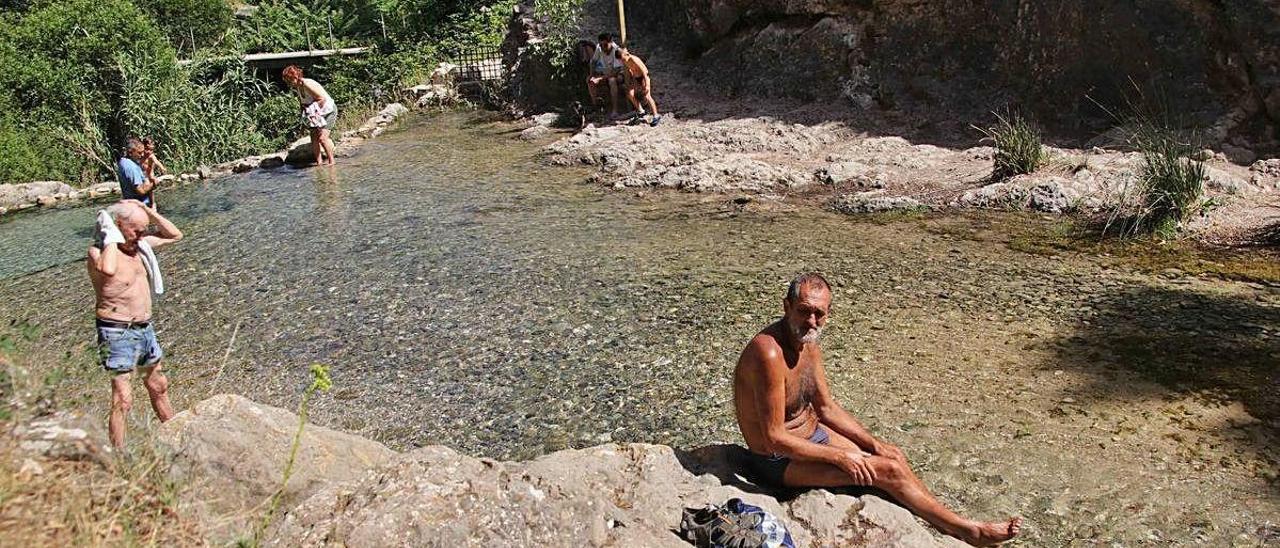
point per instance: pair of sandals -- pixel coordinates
(636, 118)
(639, 118)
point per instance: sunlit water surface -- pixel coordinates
(466, 294)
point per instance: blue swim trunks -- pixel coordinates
(122, 347)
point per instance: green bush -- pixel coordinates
(277, 118)
(190, 24)
(1174, 185)
(57, 68)
(1169, 187)
(62, 53)
(283, 25)
(1018, 146)
(195, 124)
(33, 152)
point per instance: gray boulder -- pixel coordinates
(435, 95)
(545, 119)
(535, 132)
(393, 111)
(245, 165)
(851, 172)
(12, 195)
(995, 196)
(1049, 197)
(1224, 181)
(1269, 167)
(230, 453)
(271, 162)
(299, 152)
(64, 435)
(349, 491)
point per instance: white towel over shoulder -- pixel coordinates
(153, 267)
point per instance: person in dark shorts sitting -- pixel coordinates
(799, 436)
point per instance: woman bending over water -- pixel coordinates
(319, 112)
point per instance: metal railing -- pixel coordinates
(479, 65)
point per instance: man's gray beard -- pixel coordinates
(808, 336)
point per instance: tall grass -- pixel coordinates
(1169, 187)
(1019, 147)
(195, 123)
(95, 501)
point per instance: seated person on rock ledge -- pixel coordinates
(605, 70)
(798, 434)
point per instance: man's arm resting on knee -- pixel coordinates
(832, 414)
(771, 396)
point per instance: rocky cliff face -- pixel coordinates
(348, 491)
(1215, 62)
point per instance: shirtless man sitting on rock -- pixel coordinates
(798, 434)
(126, 337)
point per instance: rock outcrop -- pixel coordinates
(230, 454)
(727, 156)
(15, 195)
(1216, 62)
(349, 491)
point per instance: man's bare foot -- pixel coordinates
(993, 532)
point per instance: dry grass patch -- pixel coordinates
(84, 503)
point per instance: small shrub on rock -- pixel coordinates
(1171, 184)
(1018, 146)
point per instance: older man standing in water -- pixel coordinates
(798, 434)
(122, 285)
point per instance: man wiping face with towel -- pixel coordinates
(124, 272)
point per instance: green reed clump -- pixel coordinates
(1019, 149)
(1169, 188)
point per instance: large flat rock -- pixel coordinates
(609, 495)
(230, 452)
(12, 195)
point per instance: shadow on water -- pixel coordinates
(1182, 342)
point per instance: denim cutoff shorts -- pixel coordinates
(122, 349)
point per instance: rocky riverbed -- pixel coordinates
(842, 167)
(468, 295)
(748, 109)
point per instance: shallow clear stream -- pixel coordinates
(468, 295)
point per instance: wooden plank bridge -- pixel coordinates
(286, 58)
